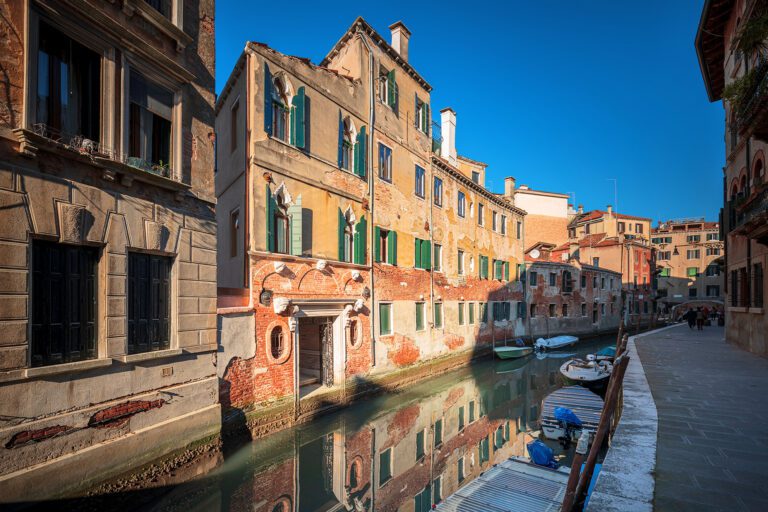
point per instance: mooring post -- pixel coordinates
(605, 419)
(573, 477)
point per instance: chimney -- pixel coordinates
(610, 209)
(400, 36)
(509, 186)
(581, 209)
(448, 132)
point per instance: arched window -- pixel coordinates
(757, 175)
(743, 185)
(354, 476)
(282, 228)
(734, 190)
(276, 342)
(280, 109)
(349, 236)
(347, 144)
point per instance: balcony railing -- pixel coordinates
(752, 107)
(751, 214)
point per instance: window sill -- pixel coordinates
(757, 311)
(149, 356)
(56, 369)
(161, 23)
(201, 349)
(737, 309)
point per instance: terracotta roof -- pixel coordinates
(598, 214)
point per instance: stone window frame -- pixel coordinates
(358, 338)
(287, 345)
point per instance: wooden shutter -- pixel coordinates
(392, 248)
(341, 140)
(361, 154)
(377, 244)
(342, 224)
(267, 100)
(506, 270)
(426, 254)
(149, 303)
(427, 122)
(361, 235)
(391, 84)
(298, 118)
(417, 253)
(295, 214)
(271, 210)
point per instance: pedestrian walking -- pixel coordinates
(699, 315)
(690, 317)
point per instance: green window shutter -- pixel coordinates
(360, 153)
(392, 248)
(419, 316)
(419, 444)
(298, 121)
(295, 214)
(361, 235)
(417, 253)
(377, 244)
(416, 110)
(506, 270)
(391, 89)
(267, 100)
(271, 209)
(385, 326)
(426, 254)
(341, 140)
(342, 222)
(426, 118)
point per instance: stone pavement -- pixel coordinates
(712, 403)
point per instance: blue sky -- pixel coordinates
(562, 94)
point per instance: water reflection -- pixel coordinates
(403, 451)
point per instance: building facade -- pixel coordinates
(547, 213)
(107, 239)
(356, 243)
(734, 70)
(620, 243)
(688, 253)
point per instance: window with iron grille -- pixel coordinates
(757, 285)
(63, 304)
(148, 302)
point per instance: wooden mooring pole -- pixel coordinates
(573, 478)
(609, 406)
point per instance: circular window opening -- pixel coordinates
(276, 342)
(355, 333)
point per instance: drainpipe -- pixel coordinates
(247, 199)
(749, 242)
(371, 230)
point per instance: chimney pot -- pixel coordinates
(610, 209)
(509, 186)
(448, 132)
(581, 209)
(400, 37)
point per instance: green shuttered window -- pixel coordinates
(420, 306)
(385, 318)
(422, 254)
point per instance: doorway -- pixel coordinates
(316, 351)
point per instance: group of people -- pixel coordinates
(699, 316)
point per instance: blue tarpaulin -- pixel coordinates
(607, 351)
(541, 454)
(567, 416)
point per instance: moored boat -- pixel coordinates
(591, 373)
(586, 405)
(555, 342)
(512, 352)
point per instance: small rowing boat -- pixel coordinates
(555, 342)
(591, 373)
(512, 352)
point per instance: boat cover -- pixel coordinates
(607, 351)
(567, 416)
(541, 454)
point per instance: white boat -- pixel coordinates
(512, 352)
(591, 373)
(585, 404)
(555, 342)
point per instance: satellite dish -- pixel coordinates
(535, 254)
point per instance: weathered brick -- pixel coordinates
(203, 256)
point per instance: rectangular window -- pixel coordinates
(437, 260)
(148, 302)
(713, 251)
(150, 125)
(639, 228)
(461, 313)
(595, 262)
(385, 246)
(692, 271)
(385, 466)
(757, 285)
(164, 7)
(483, 312)
(234, 125)
(476, 177)
(484, 450)
(420, 307)
(665, 272)
(234, 226)
(534, 277)
(693, 239)
(519, 230)
(692, 292)
(602, 283)
(602, 309)
(460, 262)
(460, 469)
(498, 440)
(461, 418)
(388, 93)
(521, 310)
(68, 87)
(471, 411)
(693, 254)
(437, 192)
(713, 270)
(533, 310)
(713, 236)
(594, 282)
(385, 318)
(64, 310)
(494, 221)
(420, 444)
(438, 307)
(622, 227)
(422, 257)
(583, 309)
(438, 432)
(437, 490)
(552, 310)
(385, 163)
(419, 184)
(471, 307)
(565, 310)
(503, 225)
(462, 205)
(552, 279)
(713, 291)
(583, 280)
(422, 117)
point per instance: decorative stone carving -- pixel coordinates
(279, 266)
(359, 305)
(156, 235)
(321, 264)
(281, 305)
(356, 275)
(72, 222)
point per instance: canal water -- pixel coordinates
(401, 451)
